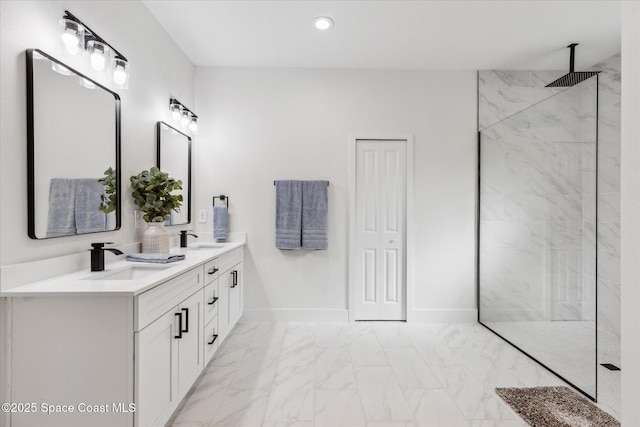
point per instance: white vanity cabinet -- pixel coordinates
(142, 344)
(169, 349)
(230, 287)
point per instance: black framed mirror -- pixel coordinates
(73, 151)
(174, 158)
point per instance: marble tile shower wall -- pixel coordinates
(609, 209)
(538, 196)
(537, 169)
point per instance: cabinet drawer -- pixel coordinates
(230, 259)
(211, 340)
(211, 270)
(155, 302)
(211, 301)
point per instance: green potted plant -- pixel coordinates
(109, 198)
(152, 193)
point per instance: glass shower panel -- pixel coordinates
(537, 235)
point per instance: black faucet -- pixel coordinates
(183, 238)
(97, 255)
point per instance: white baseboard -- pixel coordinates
(342, 315)
(452, 315)
(295, 315)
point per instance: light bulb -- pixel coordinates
(98, 55)
(120, 71)
(175, 112)
(98, 61)
(185, 118)
(71, 42)
(71, 35)
(60, 69)
(87, 83)
(193, 126)
(119, 76)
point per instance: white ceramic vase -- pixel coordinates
(155, 238)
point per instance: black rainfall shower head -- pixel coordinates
(574, 77)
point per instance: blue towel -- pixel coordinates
(220, 223)
(154, 258)
(61, 218)
(89, 218)
(288, 214)
(314, 214)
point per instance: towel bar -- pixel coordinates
(222, 198)
(274, 183)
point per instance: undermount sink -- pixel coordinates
(206, 245)
(129, 273)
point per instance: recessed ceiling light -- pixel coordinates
(323, 22)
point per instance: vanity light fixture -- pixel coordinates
(77, 38)
(193, 126)
(186, 117)
(323, 22)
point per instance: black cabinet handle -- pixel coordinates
(179, 325)
(234, 273)
(213, 301)
(186, 310)
(213, 340)
(212, 270)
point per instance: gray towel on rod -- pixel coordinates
(89, 218)
(61, 218)
(220, 223)
(288, 214)
(314, 214)
(154, 258)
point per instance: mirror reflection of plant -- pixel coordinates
(152, 194)
(109, 196)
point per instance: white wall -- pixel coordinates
(630, 217)
(159, 70)
(260, 125)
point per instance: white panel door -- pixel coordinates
(380, 230)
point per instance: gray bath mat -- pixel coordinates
(555, 407)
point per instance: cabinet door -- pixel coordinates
(235, 295)
(156, 377)
(190, 351)
(224, 287)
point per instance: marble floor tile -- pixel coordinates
(292, 394)
(333, 369)
(365, 350)
(242, 408)
(435, 408)
(374, 374)
(338, 408)
(381, 396)
(410, 370)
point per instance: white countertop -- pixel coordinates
(81, 283)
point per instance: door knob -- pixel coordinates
(392, 241)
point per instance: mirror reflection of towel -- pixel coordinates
(61, 220)
(74, 207)
(89, 218)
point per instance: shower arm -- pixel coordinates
(572, 46)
